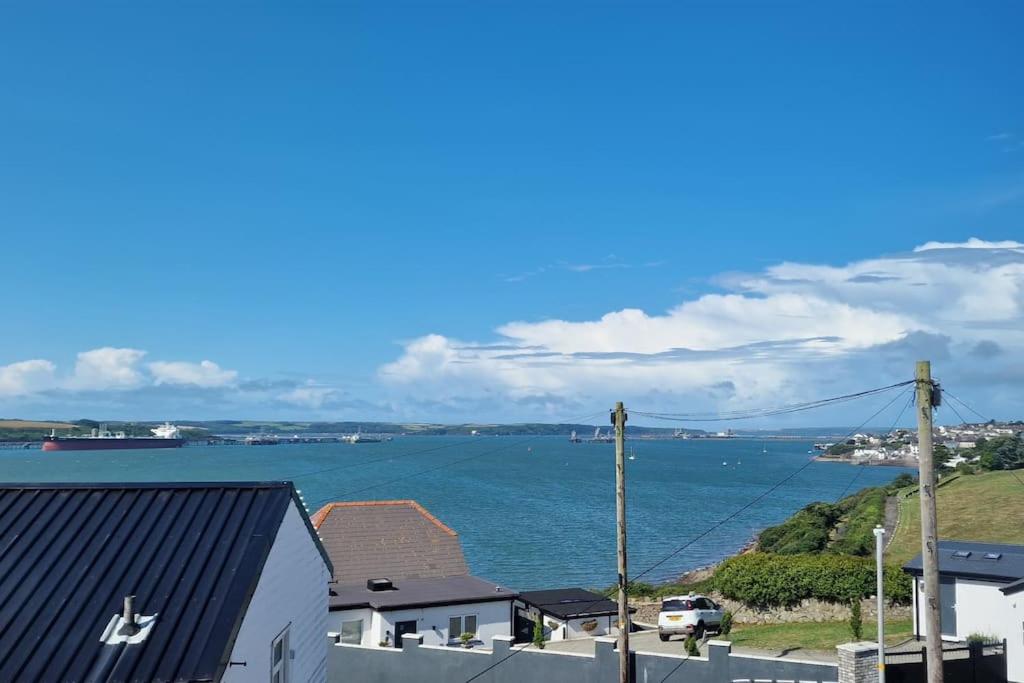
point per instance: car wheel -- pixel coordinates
(663, 637)
(698, 632)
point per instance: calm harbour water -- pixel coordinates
(536, 513)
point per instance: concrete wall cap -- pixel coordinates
(860, 646)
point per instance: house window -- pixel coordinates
(279, 658)
(352, 632)
(462, 624)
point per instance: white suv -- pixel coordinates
(688, 615)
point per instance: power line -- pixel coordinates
(767, 412)
(860, 470)
(946, 392)
(963, 421)
(711, 528)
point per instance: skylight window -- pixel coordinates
(962, 553)
(993, 556)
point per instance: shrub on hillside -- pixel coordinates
(867, 510)
(769, 580)
(1004, 453)
(902, 481)
(805, 532)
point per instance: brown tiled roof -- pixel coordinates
(394, 539)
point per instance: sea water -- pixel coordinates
(531, 512)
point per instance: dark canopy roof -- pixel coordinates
(570, 603)
(192, 555)
(449, 590)
(393, 539)
(981, 563)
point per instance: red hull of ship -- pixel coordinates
(109, 444)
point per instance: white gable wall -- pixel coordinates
(1015, 637)
(291, 593)
(980, 608)
(492, 618)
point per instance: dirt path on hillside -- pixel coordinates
(892, 518)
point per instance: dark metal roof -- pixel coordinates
(394, 539)
(449, 590)
(191, 553)
(570, 603)
(1008, 567)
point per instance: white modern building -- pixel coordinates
(401, 570)
(981, 593)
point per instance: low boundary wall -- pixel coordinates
(434, 664)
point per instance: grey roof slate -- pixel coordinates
(449, 590)
(570, 603)
(191, 553)
(395, 539)
(1009, 566)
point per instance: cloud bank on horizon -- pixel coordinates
(792, 332)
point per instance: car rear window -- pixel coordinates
(676, 605)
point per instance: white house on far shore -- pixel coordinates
(401, 570)
(981, 592)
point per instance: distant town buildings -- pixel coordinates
(900, 445)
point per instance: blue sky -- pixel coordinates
(341, 208)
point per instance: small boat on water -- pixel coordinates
(632, 455)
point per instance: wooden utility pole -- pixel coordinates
(619, 420)
(929, 533)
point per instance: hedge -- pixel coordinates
(769, 580)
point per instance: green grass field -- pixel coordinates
(30, 424)
(980, 507)
(813, 635)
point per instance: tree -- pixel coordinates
(856, 622)
(726, 625)
(538, 632)
(940, 456)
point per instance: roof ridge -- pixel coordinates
(321, 515)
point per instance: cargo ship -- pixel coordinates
(164, 436)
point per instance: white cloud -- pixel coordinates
(776, 335)
(27, 377)
(204, 374)
(107, 368)
(972, 243)
(310, 395)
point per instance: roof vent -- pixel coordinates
(129, 627)
(963, 554)
(379, 585)
(993, 556)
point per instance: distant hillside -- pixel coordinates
(28, 430)
(237, 427)
(980, 507)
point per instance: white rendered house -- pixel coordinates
(981, 593)
(400, 570)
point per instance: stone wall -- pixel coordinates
(808, 610)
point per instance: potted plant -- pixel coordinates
(465, 638)
(589, 626)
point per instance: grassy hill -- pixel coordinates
(980, 507)
(32, 424)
